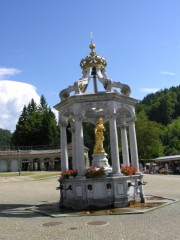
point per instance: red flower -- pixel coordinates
(68, 173)
(128, 170)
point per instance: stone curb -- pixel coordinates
(52, 209)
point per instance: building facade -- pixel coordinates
(34, 160)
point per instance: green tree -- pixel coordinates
(43, 104)
(177, 107)
(20, 135)
(171, 138)
(49, 130)
(37, 125)
(5, 137)
(148, 137)
(163, 109)
(89, 137)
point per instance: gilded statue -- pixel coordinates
(99, 136)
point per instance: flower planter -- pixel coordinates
(94, 172)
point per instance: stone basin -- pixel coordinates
(97, 193)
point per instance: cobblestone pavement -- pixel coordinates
(16, 223)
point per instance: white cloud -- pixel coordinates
(13, 97)
(56, 113)
(167, 73)
(5, 72)
(149, 90)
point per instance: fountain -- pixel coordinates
(110, 187)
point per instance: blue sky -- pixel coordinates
(43, 41)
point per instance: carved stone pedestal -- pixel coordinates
(100, 160)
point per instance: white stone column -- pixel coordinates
(125, 150)
(64, 154)
(80, 161)
(52, 164)
(74, 163)
(133, 146)
(114, 147)
(41, 164)
(31, 164)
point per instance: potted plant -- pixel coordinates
(68, 173)
(94, 172)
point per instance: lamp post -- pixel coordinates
(19, 162)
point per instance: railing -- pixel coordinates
(21, 148)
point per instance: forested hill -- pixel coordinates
(158, 124)
(162, 106)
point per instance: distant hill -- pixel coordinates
(162, 106)
(158, 124)
(5, 137)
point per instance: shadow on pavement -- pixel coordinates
(16, 211)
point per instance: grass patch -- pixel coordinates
(45, 175)
(33, 175)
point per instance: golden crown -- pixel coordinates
(93, 60)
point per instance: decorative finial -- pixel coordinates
(92, 45)
(91, 36)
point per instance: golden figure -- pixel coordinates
(99, 136)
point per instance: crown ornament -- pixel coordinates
(94, 66)
(93, 60)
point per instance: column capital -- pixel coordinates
(63, 121)
(132, 121)
(72, 129)
(123, 126)
(62, 124)
(112, 116)
(79, 118)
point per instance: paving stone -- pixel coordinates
(16, 223)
